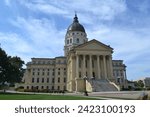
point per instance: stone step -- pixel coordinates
(99, 85)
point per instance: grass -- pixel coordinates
(12, 96)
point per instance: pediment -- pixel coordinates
(94, 45)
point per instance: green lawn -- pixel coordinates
(10, 96)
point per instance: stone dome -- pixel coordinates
(76, 26)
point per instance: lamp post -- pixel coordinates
(85, 91)
(92, 78)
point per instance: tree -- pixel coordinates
(11, 70)
(139, 84)
(4, 64)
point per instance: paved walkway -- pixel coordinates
(98, 95)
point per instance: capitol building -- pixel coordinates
(86, 65)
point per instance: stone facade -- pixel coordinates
(46, 73)
(86, 66)
(119, 73)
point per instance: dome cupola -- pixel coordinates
(76, 26)
(75, 35)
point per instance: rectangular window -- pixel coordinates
(52, 87)
(80, 74)
(58, 80)
(38, 73)
(67, 41)
(33, 73)
(37, 80)
(58, 73)
(32, 80)
(47, 80)
(118, 80)
(77, 40)
(64, 80)
(42, 80)
(43, 73)
(70, 40)
(53, 80)
(53, 73)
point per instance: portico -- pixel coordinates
(92, 60)
(93, 66)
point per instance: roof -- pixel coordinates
(76, 26)
(94, 40)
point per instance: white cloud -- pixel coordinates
(127, 44)
(7, 2)
(15, 45)
(100, 9)
(42, 35)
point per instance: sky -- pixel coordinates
(37, 28)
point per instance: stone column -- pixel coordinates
(105, 70)
(77, 66)
(98, 67)
(110, 65)
(83, 68)
(90, 68)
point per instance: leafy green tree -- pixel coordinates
(139, 84)
(11, 70)
(4, 65)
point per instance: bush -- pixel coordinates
(44, 90)
(28, 90)
(148, 88)
(21, 88)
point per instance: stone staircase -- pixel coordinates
(100, 85)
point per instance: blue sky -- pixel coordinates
(36, 28)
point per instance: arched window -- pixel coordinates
(67, 41)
